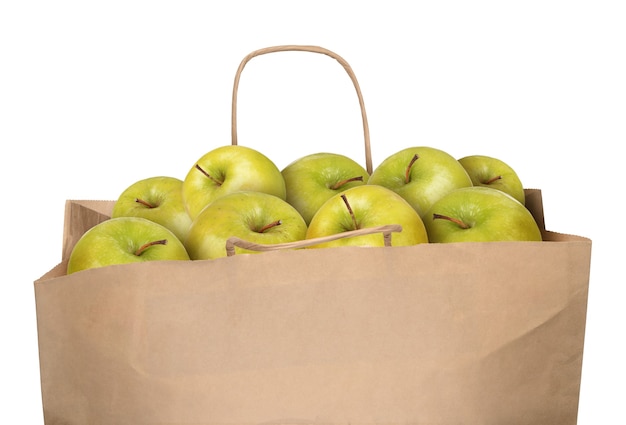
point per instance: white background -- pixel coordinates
(96, 95)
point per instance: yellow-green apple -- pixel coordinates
(493, 172)
(124, 240)
(312, 179)
(480, 214)
(363, 207)
(228, 169)
(421, 175)
(158, 198)
(252, 216)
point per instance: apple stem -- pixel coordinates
(342, 182)
(144, 202)
(492, 180)
(145, 246)
(407, 174)
(345, 200)
(216, 181)
(270, 225)
(458, 222)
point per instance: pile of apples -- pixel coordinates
(235, 190)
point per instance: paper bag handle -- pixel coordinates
(386, 230)
(313, 49)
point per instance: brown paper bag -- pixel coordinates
(463, 333)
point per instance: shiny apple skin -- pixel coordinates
(482, 169)
(372, 206)
(116, 240)
(311, 180)
(433, 174)
(243, 214)
(491, 215)
(238, 168)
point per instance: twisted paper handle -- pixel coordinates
(313, 49)
(386, 230)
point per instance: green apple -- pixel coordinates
(229, 169)
(312, 179)
(421, 175)
(480, 214)
(124, 240)
(362, 207)
(252, 216)
(158, 198)
(495, 173)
